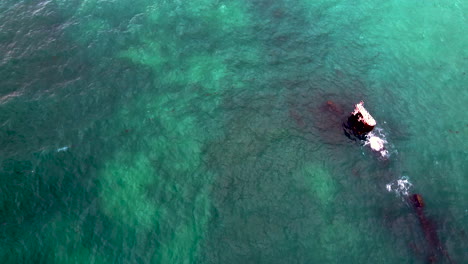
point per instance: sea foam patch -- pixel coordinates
(377, 142)
(401, 186)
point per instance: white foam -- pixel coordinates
(377, 143)
(401, 186)
(63, 149)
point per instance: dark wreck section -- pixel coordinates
(436, 250)
(359, 123)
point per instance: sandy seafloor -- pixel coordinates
(137, 131)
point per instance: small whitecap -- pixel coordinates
(389, 187)
(63, 149)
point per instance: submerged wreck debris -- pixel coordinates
(429, 229)
(360, 122)
(359, 126)
(333, 107)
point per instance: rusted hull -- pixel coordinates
(436, 250)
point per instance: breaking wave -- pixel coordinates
(377, 141)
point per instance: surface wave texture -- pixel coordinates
(210, 131)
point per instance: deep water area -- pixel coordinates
(211, 131)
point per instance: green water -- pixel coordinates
(198, 131)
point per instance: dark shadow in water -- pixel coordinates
(261, 213)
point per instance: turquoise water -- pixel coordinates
(199, 131)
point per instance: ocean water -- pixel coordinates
(210, 131)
